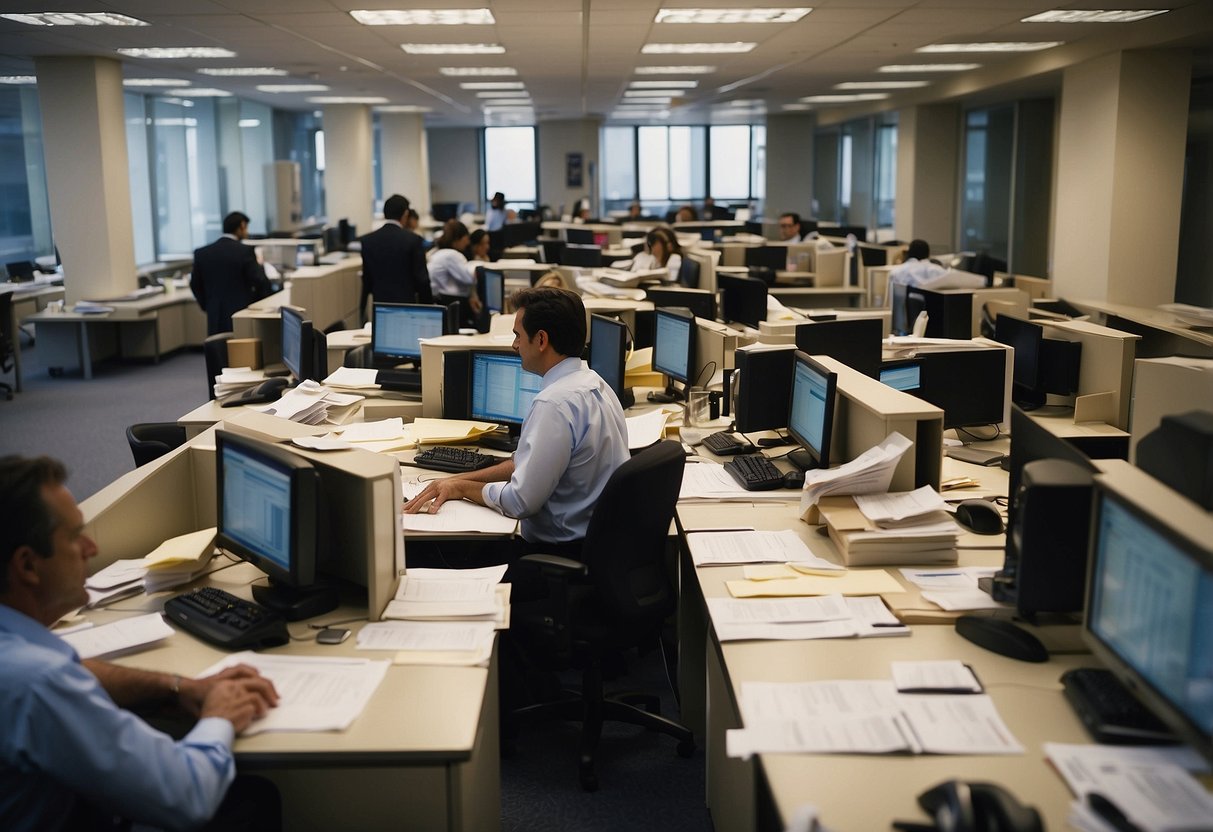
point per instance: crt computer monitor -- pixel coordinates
(500, 390)
(1042, 365)
(298, 351)
(768, 257)
(581, 256)
(699, 301)
(1149, 615)
(811, 412)
(674, 346)
(855, 342)
(967, 385)
(491, 288)
(272, 514)
(398, 329)
(743, 300)
(608, 351)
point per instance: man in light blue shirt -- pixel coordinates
(70, 754)
(572, 440)
(494, 218)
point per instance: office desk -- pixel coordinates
(28, 299)
(145, 328)
(817, 296)
(1161, 332)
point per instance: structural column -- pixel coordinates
(555, 140)
(789, 165)
(349, 155)
(404, 158)
(927, 149)
(88, 174)
(1120, 160)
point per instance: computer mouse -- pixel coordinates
(793, 479)
(1002, 637)
(979, 517)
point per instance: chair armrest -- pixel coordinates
(554, 564)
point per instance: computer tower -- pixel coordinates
(1179, 453)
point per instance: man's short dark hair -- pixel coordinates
(792, 215)
(394, 207)
(28, 520)
(558, 312)
(233, 221)
(918, 250)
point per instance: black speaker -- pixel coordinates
(1048, 542)
(456, 383)
(1179, 453)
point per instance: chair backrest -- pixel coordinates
(359, 357)
(6, 333)
(151, 440)
(214, 351)
(688, 273)
(626, 538)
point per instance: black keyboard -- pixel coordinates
(1111, 714)
(755, 473)
(722, 443)
(399, 381)
(226, 621)
(453, 460)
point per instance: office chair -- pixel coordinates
(214, 351)
(6, 341)
(618, 598)
(152, 440)
(359, 357)
(688, 273)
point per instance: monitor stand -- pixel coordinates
(802, 459)
(668, 396)
(499, 440)
(295, 603)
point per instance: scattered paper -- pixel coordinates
(947, 676)
(117, 573)
(448, 430)
(322, 443)
(120, 636)
(892, 510)
(854, 582)
(870, 472)
(380, 431)
(647, 428)
(194, 547)
(747, 547)
(353, 378)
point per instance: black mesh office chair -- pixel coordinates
(6, 342)
(214, 351)
(152, 440)
(617, 599)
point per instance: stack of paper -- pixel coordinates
(825, 616)
(459, 643)
(620, 278)
(119, 637)
(313, 404)
(954, 589)
(726, 547)
(89, 307)
(120, 579)
(647, 428)
(378, 437)
(862, 542)
(237, 380)
(353, 378)
(596, 288)
(451, 595)
(869, 473)
(179, 560)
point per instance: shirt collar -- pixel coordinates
(232, 237)
(22, 626)
(566, 367)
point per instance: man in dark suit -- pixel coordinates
(227, 276)
(393, 260)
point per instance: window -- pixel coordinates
(619, 164)
(986, 195)
(141, 186)
(654, 154)
(509, 164)
(25, 220)
(730, 163)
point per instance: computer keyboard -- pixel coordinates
(755, 473)
(216, 616)
(722, 443)
(453, 460)
(1111, 714)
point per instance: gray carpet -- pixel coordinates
(644, 783)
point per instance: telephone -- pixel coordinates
(958, 806)
(920, 325)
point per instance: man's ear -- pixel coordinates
(542, 340)
(23, 567)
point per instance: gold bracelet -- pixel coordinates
(176, 685)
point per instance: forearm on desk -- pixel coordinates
(129, 686)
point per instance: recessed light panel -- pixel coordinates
(18, 79)
(404, 108)
(491, 85)
(154, 82)
(663, 85)
(1006, 46)
(1093, 16)
(844, 99)
(347, 99)
(242, 71)
(736, 47)
(171, 52)
(675, 70)
(423, 17)
(881, 85)
(509, 103)
(910, 68)
(75, 19)
(653, 93)
(730, 15)
(474, 71)
(199, 92)
(453, 48)
(249, 122)
(662, 100)
(504, 94)
(277, 88)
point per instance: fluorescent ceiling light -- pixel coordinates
(242, 71)
(927, 67)
(75, 19)
(663, 85)
(491, 85)
(175, 122)
(489, 107)
(797, 107)
(881, 85)
(347, 99)
(423, 17)
(504, 94)
(292, 88)
(1006, 46)
(675, 70)
(1093, 16)
(473, 71)
(653, 93)
(154, 82)
(404, 108)
(730, 15)
(663, 100)
(696, 48)
(199, 92)
(18, 79)
(177, 52)
(453, 48)
(844, 99)
(640, 114)
(509, 103)
(249, 122)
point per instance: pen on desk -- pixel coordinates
(938, 575)
(886, 624)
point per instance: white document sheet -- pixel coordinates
(353, 378)
(747, 547)
(315, 694)
(955, 600)
(422, 595)
(891, 510)
(119, 636)
(647, 428)
(964, 724)
(455, 516)
(425, 635)
(869, 473)
(119, 572)
(777, 610)
(380, 431)
(947, 675)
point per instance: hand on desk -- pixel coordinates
(238, 694)
(439, 491)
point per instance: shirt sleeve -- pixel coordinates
(76, 734)
(544, 450)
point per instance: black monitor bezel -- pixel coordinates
(699, 301)
(679, 314)
(306, 368)
(820, 456)
(771, 257)
(483, 276)
(382, 358)
(617, 357)
(513, 426)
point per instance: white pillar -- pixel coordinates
(403, 155)
(554, 141)
(927, 150)
(789, 165)
(348, 156)
(1120, 158)
(87, 173)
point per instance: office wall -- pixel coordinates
(349, 155)
(454, 154)
(825, 175)
(554, 141)
(1033, 202)
(789, 164)
(403, 157)
(927, 152)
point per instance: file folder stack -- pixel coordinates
(891, 529)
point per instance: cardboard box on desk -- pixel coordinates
(244, 352)
(850, 530)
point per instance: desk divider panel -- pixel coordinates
(707, 259)
(1106, 363)
(867, 411)
(714, 347)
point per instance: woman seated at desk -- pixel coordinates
(451, 278)
(661, 251)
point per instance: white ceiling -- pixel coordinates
(576, 57)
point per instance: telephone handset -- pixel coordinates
(957, 806)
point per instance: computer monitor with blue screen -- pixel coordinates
(297, 349)
(608, 354)
(674, 350)
(501, 391)
(398, 329)
(491, 289)
(1150, 607)
(811, 413)
(905, 376)
(272, 514)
